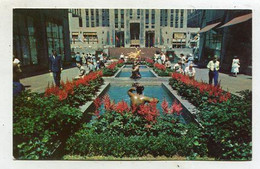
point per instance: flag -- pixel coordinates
(117, 39)
(162, 40)
(111, 40)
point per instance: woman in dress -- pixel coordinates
(235, 66)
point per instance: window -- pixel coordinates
(176, 18)
(87, 17)
(97, 18)
(147, 16)
(105, 17)
(92, 18)
(138, 13)
(153, 16)
(116, 18)
(122, 18)
(165, 17)
(131, 13)
(24, 40)
(181, 24)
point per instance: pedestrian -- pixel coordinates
(235, 66)
(163, 58)
(82, 71)
(190, 71)
(168, 63)
(190, 59)
(78, 58)
(183, 61)
(213, 67)
(55, 66)
(178, 67)
(83, 57)
(17, 71)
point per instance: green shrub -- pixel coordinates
(128, 135)
(37, 124)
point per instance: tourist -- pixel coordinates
(178, 67)
(190, 59)
(122, 57)
(84, 60)
(213, 67)
(156, 56)
(190, 71)
(55, 66)
(135, 71)
(235, 66)
(78, 58)
(183, 61)
(17, 71)
(82, 71)
(163, 58)
(101, 60)
(168, 64)
(136, 95)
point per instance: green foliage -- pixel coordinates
(109, 72)
(37, 123)
(160, 72)
(227, 125)
(82, 94)
(128, 135)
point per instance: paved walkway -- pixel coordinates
(229, 83)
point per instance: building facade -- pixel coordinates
(36, 32)
(93, 29)
(226, 41)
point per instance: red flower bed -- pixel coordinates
(148, 111)
(148, 60)
(68, 87)
(160, 66)
(215, 92)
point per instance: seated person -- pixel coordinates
(82, 71)
(190, 71)
(167, 63)
(177, 67)
(137, 98)
(135, 71)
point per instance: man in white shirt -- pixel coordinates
(213, 67)
(190, 71)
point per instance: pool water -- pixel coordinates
(143, 74)
(140, 66)
(119, 93)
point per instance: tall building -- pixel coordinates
(100, 28)
(226, 33)
(36, 32)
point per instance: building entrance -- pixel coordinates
(149, 39)
(134, 34)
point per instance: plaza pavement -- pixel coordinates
(229, 83)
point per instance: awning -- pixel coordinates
(75, 33)
(237, 20)
(208, 27)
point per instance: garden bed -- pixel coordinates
(42, 121)
(226, 118)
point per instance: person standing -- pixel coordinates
(55, 66)
(213, 67)
(163, 58)
(83, 56)
(183, 61)
(78, 58)
(190, 59)
(235, 66)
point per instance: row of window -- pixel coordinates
(179, 16)
(25, 41)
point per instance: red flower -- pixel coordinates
(109, 106)
(176, 108)
(149, 111)
(120, 61)
(112, 65)
(160, 66)
(62, 94)
(148, 60)
(165, 107)
(122, 107)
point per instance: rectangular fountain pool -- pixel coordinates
(119, 93)
(128, 74)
